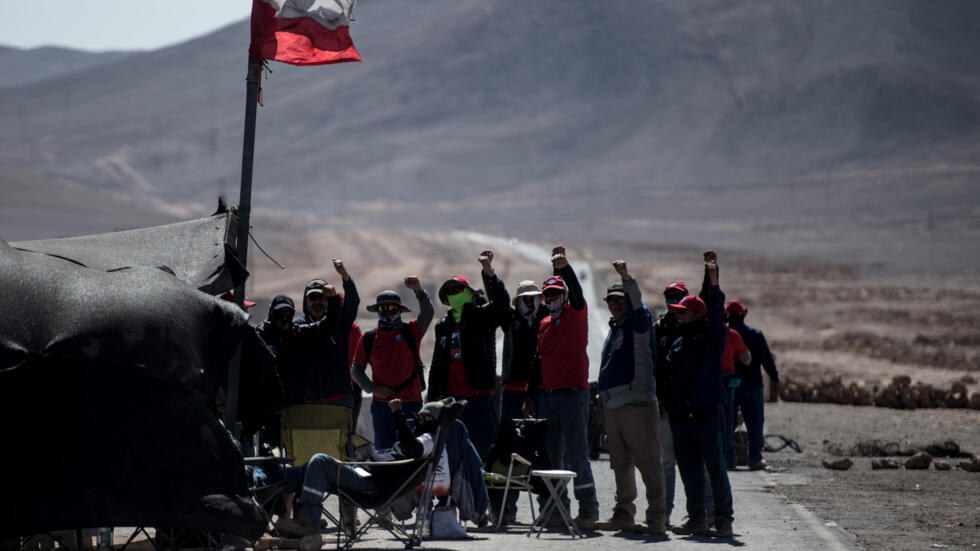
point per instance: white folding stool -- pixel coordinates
(556, 481)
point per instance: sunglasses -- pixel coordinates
(455, 290)
(388, 307)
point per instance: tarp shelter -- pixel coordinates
(108, 376)
(200, 252)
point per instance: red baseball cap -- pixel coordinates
(553, 282)
(690, 302)
(456, 279)
(230, 297)
(735, 308)
(675, 287)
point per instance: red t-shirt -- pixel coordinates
(734, 347)
(392, 362)
(355, 339)
(459, 383)
(562, 345)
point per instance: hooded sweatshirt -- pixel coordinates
(324, 359)
(477, 337)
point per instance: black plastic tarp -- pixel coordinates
(107, 399)
(200, 252)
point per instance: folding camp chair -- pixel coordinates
(308, 429)
(398, 478)
(520, 447)
(516, 479)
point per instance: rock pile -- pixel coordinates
(921, 460)
(901, 393)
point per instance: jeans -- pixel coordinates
(669, 461)
(751, 400)
(633, 433)
(320, 477)
(698, 445)
(567, 412)
(384, 422)
(511, 404)
(728, 427)
(481, 422)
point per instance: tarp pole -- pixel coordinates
(244, 215)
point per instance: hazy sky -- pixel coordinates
(113, 24)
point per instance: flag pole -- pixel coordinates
(244, 215)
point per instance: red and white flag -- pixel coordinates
(303, 32)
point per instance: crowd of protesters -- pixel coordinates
(670, 386)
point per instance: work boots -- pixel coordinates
(693, 527)
(621, 521)
(723, 528)
(654, 525)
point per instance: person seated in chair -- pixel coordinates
(323, 475)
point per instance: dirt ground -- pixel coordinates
(885, 509)
(861, 322)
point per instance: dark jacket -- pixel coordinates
(761, 356)
(286, 343)
(692, 373)
(324, 360)
(477, 341)
(628, 357)
(666, 330)
(520, 344)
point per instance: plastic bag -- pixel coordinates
(445, 525)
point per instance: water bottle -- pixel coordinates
(104, 539)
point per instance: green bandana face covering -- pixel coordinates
(457, 301)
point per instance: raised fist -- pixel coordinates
(620, 267)
(558, 259)
(338, 265)
(412, 282)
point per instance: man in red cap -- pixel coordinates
(692, 377)
(561, 372)
(665, 330)
(464, 360)
(749, 394)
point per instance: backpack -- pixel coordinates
(409, 339)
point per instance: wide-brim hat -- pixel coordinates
(388, 297)
(457, 280)
(526, 288)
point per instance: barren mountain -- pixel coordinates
(825, 128)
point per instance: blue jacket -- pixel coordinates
(761, 356)
(693, 369)
(628, 367)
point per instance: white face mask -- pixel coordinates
(525, 309)
(556, 305)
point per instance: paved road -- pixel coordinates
(764, 520)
